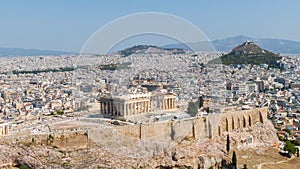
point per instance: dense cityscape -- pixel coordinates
(149, 84)
(52, 95)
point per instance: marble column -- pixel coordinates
(101, 112)
(105, 108)
(147, 108)
(174, 101)
(126, 109)
(113, 109)
(167, 104)
(109, 108)
(122, 110)
(134, 108)
(123, 105)
(141, 107)
(118, 108)
(130, 109)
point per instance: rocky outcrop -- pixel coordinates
(188, 153)
(249, 53)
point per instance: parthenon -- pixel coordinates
(134, 104)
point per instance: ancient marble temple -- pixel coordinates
(135, 104)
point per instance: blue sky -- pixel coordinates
(67, 24)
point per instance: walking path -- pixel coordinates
(277, 162)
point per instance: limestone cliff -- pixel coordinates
(75, 151)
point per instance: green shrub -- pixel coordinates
(23, 166)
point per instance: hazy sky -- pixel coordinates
(67, 24)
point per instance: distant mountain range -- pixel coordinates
(274, 45)
(31, 52)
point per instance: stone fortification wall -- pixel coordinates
(198, 128)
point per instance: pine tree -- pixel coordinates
(200, 101)
(234, 161)
(228, 143)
